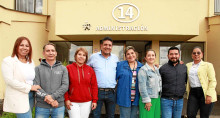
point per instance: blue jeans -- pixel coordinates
(129, 112)
(29, 113)
(171, 108)
(109, 98)
(46, 113)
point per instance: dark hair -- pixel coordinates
(148, 50)
(84, 50)
(49, 44)
(16, 46)
(173, 48)
(198, 48)
(105, 39)
(128, 48)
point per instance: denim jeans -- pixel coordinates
(129, 112)
(109, 98)
(29, 113)
(171, 108)
(46, 113)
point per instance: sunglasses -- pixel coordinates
(198, 53)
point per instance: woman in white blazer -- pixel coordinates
(18, 73)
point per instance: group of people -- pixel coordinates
(144, 91)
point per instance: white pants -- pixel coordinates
(80, 110)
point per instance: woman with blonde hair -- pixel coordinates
(82, 95)
(127, 87)
(150, 87)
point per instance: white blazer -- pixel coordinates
(16, 93)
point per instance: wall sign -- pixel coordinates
(125, 13)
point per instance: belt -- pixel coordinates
(107, 89)
(172, 98)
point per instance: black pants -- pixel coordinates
(195, 102)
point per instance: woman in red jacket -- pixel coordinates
(82, 95)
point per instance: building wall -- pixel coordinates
(213, 46)
(50, 10)
(8, 3)
(161, 17)
(170, 17)
(21, 24)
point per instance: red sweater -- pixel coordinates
(82, 84)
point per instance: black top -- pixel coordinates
(173, 80)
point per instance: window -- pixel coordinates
(185, 50)
(217, 7)
(66, 50)
(31, 6)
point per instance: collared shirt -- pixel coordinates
(105, 69)
(193, 76)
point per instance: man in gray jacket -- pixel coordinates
(52, 76)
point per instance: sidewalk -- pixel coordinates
(215, 111)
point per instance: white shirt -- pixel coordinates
(193, 76)
(28, 71)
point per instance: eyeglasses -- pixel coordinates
(198, 53)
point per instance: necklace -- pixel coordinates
(133, 67)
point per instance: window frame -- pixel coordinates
(217, 7)
(34, 6)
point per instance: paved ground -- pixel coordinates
(215, 112)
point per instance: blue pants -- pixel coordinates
(129, 112)
(171, 108)
(29, 113)
(46, 113)
(109, 99)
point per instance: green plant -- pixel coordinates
(8, 115)
(65, 63)
(12, 115)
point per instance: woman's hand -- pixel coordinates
(35, 88)
(148, 106)
(94, 105)
(208, 99)
(68, 104)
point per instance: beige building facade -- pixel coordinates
(144, 24)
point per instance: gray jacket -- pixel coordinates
(53, 81)
(150, 84)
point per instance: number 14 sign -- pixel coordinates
(125, 13)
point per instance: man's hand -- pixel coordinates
(94, 105)
(208, 99)
(55, 104)
(148, 106)
(48, 99)
(181, 62)
(157, 65)
(68, 104)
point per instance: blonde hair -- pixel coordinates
(81, 49)
(128, 48)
